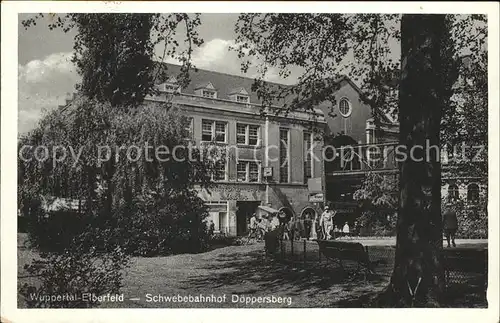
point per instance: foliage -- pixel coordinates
(129, 204)
(472, 217)
(56, 232)
(379, 204)
(142, 192)
(224, 240)
(114, 52)
(318, 44)
(464, 118)
(324, 47)
(73, 273)
(156, 226)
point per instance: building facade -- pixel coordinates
(270, 157)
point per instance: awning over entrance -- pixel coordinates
(267, 209)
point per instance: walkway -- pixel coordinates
(241, 270)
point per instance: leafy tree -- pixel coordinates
(123, 193)
(424, 89)
(319, 45)
(144, 177)
(379, 202)
(114, 52)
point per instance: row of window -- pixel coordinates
(472, 192)
(212, 94)
(206, 93)
(246, 134)
(344, 105)
(250, 171)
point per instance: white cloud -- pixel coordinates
(42, 86)
(44, 83)
(216, 55)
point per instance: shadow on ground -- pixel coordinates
(264, 274)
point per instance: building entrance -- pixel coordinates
(244, 211)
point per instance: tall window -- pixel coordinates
(307, 156)
(473, 193)
(248, 171)
(241, 169)
(189, 128)
(220, 171)
(213, 131)
(247, 134)
(253, 172)
(284, 156)
(453, 192)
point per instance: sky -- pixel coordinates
(46, 74)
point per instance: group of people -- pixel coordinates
(325, 226)
(260, 225)
(288, 229)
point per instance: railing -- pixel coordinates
(363, 158)
(306, 254)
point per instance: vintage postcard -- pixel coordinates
(217, 157)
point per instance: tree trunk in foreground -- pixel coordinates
(418, 276)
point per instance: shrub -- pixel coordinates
(379, 205)
(56, 231)
(372, 223)
(147, 227)
(221, 240)
(74, 272)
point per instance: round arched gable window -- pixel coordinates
(345, 107)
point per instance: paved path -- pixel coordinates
(392, 241)
(241, 270)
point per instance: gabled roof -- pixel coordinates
(223, 83)
(205, 85)
(239, 90)
(227, 84)
(172, 80)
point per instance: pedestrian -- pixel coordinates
(307, 225)
(253, 228)
(274, 222)
(450, 224)
(211, 228)
(326, 223)
(345, 229)
(282, 224)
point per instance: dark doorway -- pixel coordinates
(244, 211)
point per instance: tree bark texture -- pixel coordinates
(418, 276)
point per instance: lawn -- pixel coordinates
(242, 270)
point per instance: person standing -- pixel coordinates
(308, 225)
(253, 228)
(326, 223)
(274, 222)
(282, 223)
(450, 225)
(346, 230)
(211, 228)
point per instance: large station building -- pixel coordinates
(277, 159)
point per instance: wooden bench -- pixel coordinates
(343, 250)
(465, 260)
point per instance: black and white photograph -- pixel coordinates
(251, 159)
